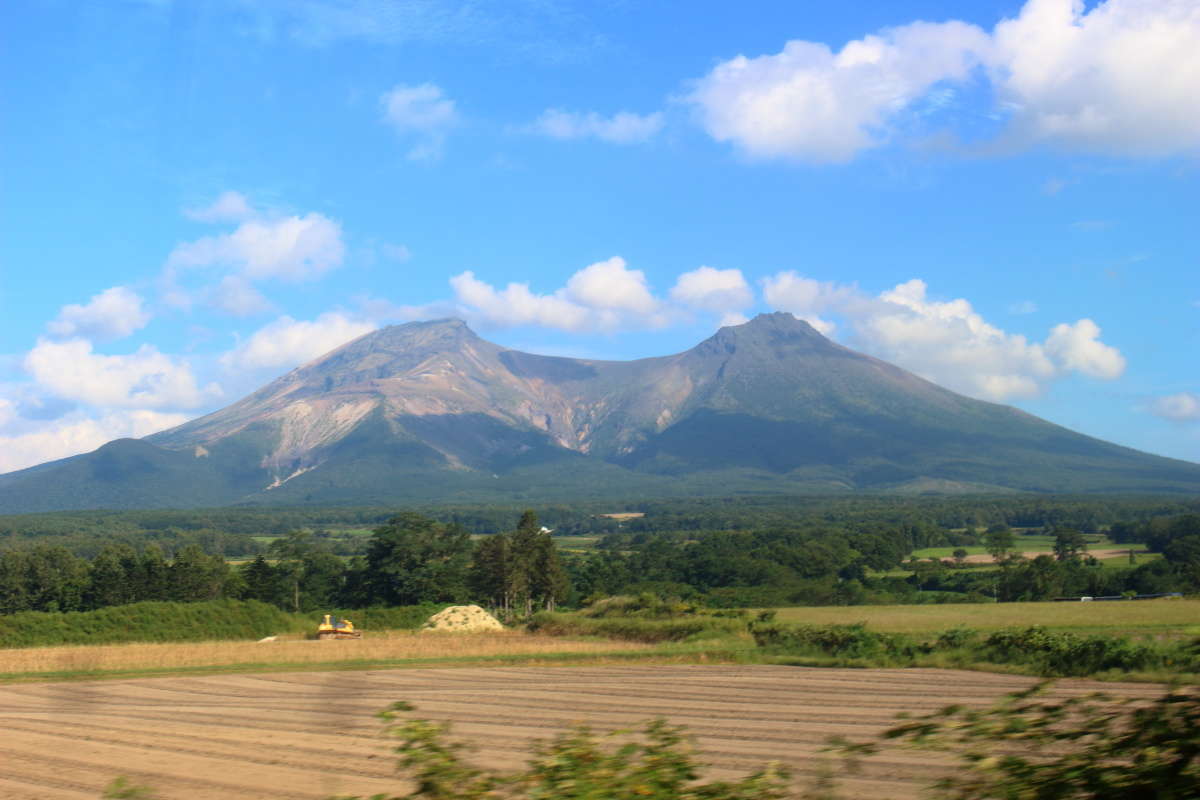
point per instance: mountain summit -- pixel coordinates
(429, 411)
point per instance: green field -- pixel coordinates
(576, 544)
(1167, 617)
(1023, 543)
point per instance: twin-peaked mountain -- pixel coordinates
(431, 412)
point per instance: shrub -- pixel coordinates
(635, 629)
(577, 765)
(145, 622)
(644, 605)
(1080, 748)
(845, 641)
(956, 638)
(1068, 653)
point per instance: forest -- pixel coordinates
(736, 555)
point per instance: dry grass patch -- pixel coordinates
(378, 646)
(1130, 617)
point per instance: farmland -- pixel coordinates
(1142, 617)
(380, 648)
(312, 734)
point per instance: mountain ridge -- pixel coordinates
(430, 410)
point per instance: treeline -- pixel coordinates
(231, 532)
(837, 565)
(52, 578)
(1089, 514)
(815, 565)
(414, 559)
(410, 560)
(1072, 573)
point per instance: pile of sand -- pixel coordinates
(462, 619)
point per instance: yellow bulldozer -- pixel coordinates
(333, 628)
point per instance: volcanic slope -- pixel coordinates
(430, 411)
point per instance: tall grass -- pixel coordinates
(1169, 616)
(383, 648)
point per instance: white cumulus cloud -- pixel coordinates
(809, 103)
(807, 299)
(111, 314)
(229, 206)
(624, 127)
(948, 341)
(1120, 77)
(1078, 347)
(80, 434)
(422, 111)
(288, 342)
(722, 291)
(294, 248)
(144, 379)
(611, 285)
(606, 296)
(1181, 407)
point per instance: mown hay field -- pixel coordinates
(309, 735)
(1173, 616)
(378, 647)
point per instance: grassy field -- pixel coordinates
(575, 544)
(1024, 542)
(1134, 617)
(377, 649)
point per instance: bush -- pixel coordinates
(635, 629)
(844, 641)
(644, 605)
(1068, 653)
(1079, 748)
(145, 622)
(577, 765)
(956, 638)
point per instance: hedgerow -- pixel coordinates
(145, 622)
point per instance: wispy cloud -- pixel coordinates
(422, 113)
(541, 30)
(624, 127)
(1023, 307)
(1181, 407)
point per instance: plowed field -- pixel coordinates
(311, 735)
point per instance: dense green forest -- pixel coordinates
(240, 532)
(736, 554)
(409, 560)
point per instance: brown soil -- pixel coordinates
(312, 735)
(985, 558)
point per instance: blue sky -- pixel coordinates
(199, 196)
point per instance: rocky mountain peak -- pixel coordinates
(776, 334)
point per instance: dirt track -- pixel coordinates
(311, 735)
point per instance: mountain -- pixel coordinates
(429, 411)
